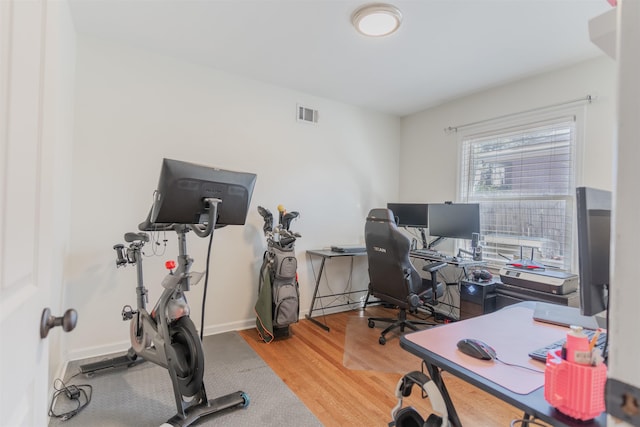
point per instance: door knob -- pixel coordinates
(67, 321)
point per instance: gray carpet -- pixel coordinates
(143, 396)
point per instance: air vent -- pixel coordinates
(307, 115)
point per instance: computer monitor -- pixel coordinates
(454, 220)
(183, 187)
(410, 214)
(594, 242)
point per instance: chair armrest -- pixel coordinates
(433, 269)
(434, 266)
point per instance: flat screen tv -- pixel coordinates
(454, 220)
(594, 242)
(183, 188)
(410, 214)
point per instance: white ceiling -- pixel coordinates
(444, 49)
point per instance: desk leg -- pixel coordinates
(434, 373)
(313, 300)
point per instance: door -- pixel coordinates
(25, 242)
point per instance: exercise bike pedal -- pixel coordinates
(128, 312)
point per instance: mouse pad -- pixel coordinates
(511, 331)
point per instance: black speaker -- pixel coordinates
(477, 298)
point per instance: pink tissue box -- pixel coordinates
(574, 389)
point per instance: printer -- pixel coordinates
(533, 276)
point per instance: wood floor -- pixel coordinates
(310, 362)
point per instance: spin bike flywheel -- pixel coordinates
(189, 361)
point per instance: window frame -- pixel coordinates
(521, 123)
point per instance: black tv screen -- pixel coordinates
(594, 242)
(183, 187)
(454, 220)
(410, 214)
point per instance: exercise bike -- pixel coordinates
(167, 336)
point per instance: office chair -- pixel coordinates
(392, 277)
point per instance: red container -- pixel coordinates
(574, 389)
(578, 350)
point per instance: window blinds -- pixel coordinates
(524, 181)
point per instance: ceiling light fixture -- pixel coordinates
(376, 20)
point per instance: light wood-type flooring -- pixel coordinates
(312, 363)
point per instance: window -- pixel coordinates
(524, 182)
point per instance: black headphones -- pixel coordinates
(409, 417)
(481, 275)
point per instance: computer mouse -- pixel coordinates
(476, 348)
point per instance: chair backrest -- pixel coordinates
(392, 276)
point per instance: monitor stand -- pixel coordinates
(423, 235)
(601, 319)
(435, 242)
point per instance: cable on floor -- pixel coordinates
(78, 395)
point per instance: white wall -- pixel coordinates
(133, 108)
(429, 155)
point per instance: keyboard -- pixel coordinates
(433, 255)
(541, 353)
(349, 249)
(428, 252)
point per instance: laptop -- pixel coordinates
(563, 316)
(349, 249)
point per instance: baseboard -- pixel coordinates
(62, 369)
(123, 346)
(99, 350)
(228, 327)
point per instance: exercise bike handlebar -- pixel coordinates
(201, 230)
(120, 257)
(147, 225)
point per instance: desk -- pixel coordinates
(512, 332)
(461, 266)
(462, 263)
(327, 254)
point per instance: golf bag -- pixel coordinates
(278, 303)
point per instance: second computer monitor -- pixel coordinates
(410, 214)
(454, 220)
(594, 242)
